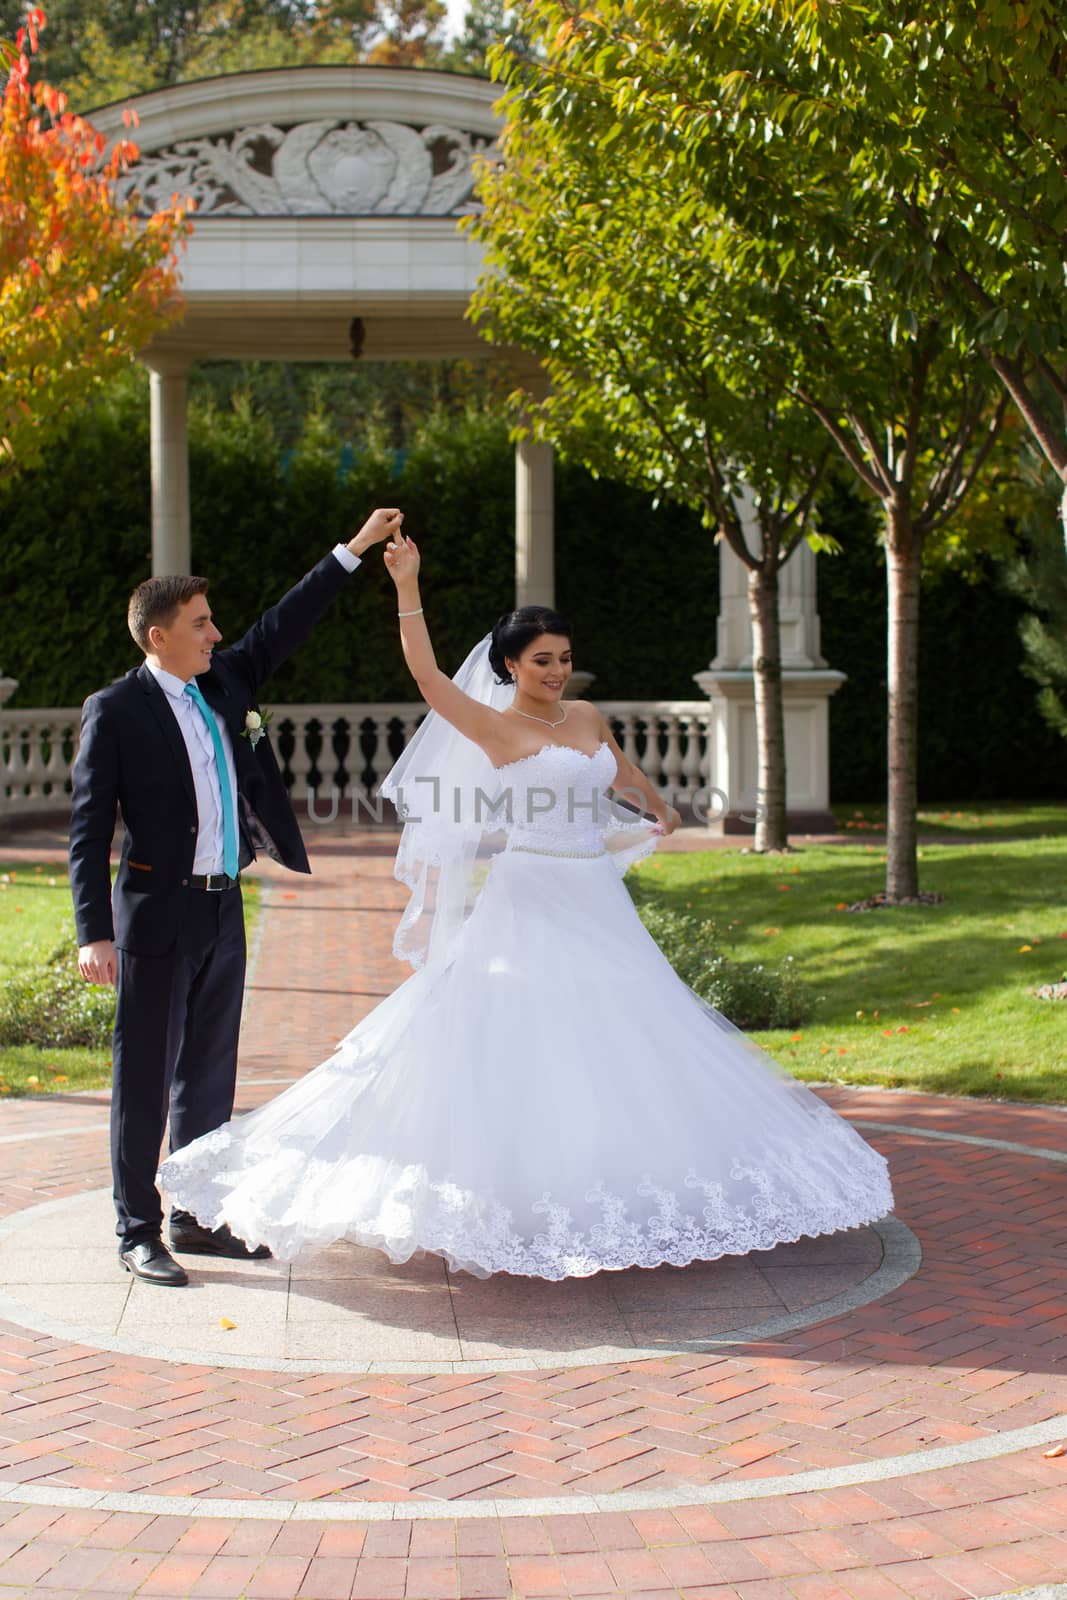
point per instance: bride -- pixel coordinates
(544, 1095)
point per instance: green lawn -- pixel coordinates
(928, 997)
(36, 917)
(995, 820)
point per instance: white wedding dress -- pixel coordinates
(552, 1101)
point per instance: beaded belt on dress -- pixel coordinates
(569, 855)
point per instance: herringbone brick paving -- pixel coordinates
(973, 1346)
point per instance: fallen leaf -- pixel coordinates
(903, 1028)
(1023, 948)
(843, 1049)
(842, 905)
(772, 930)
(224, 1322)
(956, 1010)
(1056, 1451)
(795, 1038)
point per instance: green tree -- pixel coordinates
(104, 50)
(675, 243)
(486, 23)
(1038, 577)
(657, 378)
(664, 89)
(952, 120)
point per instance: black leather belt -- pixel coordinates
(214, 881)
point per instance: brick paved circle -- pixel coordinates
(350, 1310)
(859, 1459)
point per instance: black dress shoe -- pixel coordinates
(152, 1261)
(190, 1239)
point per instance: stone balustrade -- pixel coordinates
(336, 755)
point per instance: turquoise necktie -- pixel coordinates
(229, 821)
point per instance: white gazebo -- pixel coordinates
(326, 228)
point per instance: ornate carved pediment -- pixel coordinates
(316, 168)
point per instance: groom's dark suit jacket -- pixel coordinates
(132, 758)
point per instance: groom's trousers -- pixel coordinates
(175, 1051)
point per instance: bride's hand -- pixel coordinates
(670, 820)
(402, 559)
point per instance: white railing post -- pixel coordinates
(300, 760)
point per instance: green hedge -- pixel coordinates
(639, 583)
(76, 539)
(981, 736)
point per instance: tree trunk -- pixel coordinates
(771, 827)
(903, 558)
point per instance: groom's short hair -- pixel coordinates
(155, 603)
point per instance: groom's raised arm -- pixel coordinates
(283, 629)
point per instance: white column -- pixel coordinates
(170, 463)
(535, 513)
(535, 525)
(807, 685)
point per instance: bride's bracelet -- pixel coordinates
(417, 613)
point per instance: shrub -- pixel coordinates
(54, 1008)
(751, 994)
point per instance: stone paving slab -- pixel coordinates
(354, 1309)
(892, 1448)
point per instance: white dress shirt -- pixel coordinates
(207, 856)
(201, 750)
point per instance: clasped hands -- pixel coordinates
(381, 524)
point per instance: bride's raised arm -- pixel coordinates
(473, 719)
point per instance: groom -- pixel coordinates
(176, 748)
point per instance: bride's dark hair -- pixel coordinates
(517, 629)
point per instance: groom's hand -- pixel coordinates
(381, 524)
(98, 962)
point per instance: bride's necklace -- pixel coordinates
(545, 720)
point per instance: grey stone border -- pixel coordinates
(901, 1260)
(1047, 1591)
(815, 1481)
(1040, 1152)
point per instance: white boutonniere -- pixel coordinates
(256, 725)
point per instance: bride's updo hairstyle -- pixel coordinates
(516, 630)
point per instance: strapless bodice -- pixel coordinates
(555, 799)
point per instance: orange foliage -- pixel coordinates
(84, 282)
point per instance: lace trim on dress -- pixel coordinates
(832, 1181)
